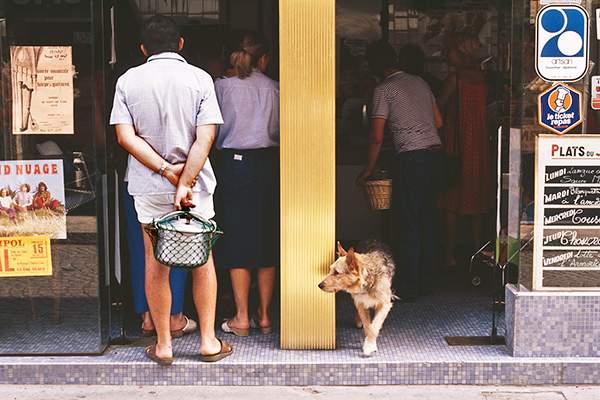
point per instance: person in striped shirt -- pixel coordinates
(405, 103)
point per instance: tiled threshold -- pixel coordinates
(412, 350)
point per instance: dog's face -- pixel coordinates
(344, 274)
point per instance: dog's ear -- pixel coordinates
(351, 262)
(341, 251)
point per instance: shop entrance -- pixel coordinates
(357, 24)
(426, 25)
(85, 289)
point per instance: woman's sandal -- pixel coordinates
(236, 331)
(148, 332)
(190, 327)
(265, 330)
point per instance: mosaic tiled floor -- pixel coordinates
(28, 325)
(412, 350)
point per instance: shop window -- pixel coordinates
(51, 158)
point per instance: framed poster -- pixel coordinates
(42, 89)
(567, 213)
(32, 199)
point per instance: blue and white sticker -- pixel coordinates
(562, 38)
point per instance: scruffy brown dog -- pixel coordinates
(367, 275)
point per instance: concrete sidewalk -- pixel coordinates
(456, 392)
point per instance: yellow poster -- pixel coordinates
(25, 256)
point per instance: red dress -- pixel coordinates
(472, 195)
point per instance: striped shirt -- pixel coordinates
(165, 99)
(405, 101)
(250, 108)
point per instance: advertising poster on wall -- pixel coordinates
(32, 199)
(567, 212)
(25, 256)
(42, 83)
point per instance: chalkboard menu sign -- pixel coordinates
(567, 213)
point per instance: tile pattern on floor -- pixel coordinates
(412, 350)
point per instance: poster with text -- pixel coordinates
(42, 87)
(25, 256)
(32, 199)
(567, 212)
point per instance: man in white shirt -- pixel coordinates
(165, 112)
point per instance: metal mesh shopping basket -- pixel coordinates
(182, 239)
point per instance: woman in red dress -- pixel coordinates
(463, 100)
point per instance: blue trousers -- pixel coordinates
(137, 262)
(418, 177)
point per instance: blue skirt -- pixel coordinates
(247, 208)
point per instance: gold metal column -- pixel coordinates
(307, 77)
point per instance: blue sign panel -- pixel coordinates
(559, 108)
(562, 36)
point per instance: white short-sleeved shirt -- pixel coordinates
(165, 99)
(406, 102)
(250, 108)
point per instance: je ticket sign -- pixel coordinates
(25, 256)
(559, 108)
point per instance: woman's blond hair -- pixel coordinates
(467, 47)
(252, 48)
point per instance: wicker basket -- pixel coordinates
(378, 193)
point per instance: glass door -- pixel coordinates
(54, 286)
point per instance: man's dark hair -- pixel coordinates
(160, 34)
(411, 58)
(381, 56)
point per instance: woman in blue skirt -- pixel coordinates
(247, 170)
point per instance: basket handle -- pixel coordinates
(186, 206)
(189, 215)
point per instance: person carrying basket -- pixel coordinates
(165, 112)
(405, 103)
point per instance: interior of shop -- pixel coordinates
(89, 290)
(424, 24)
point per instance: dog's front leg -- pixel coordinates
(379, 316)
(370, 345)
